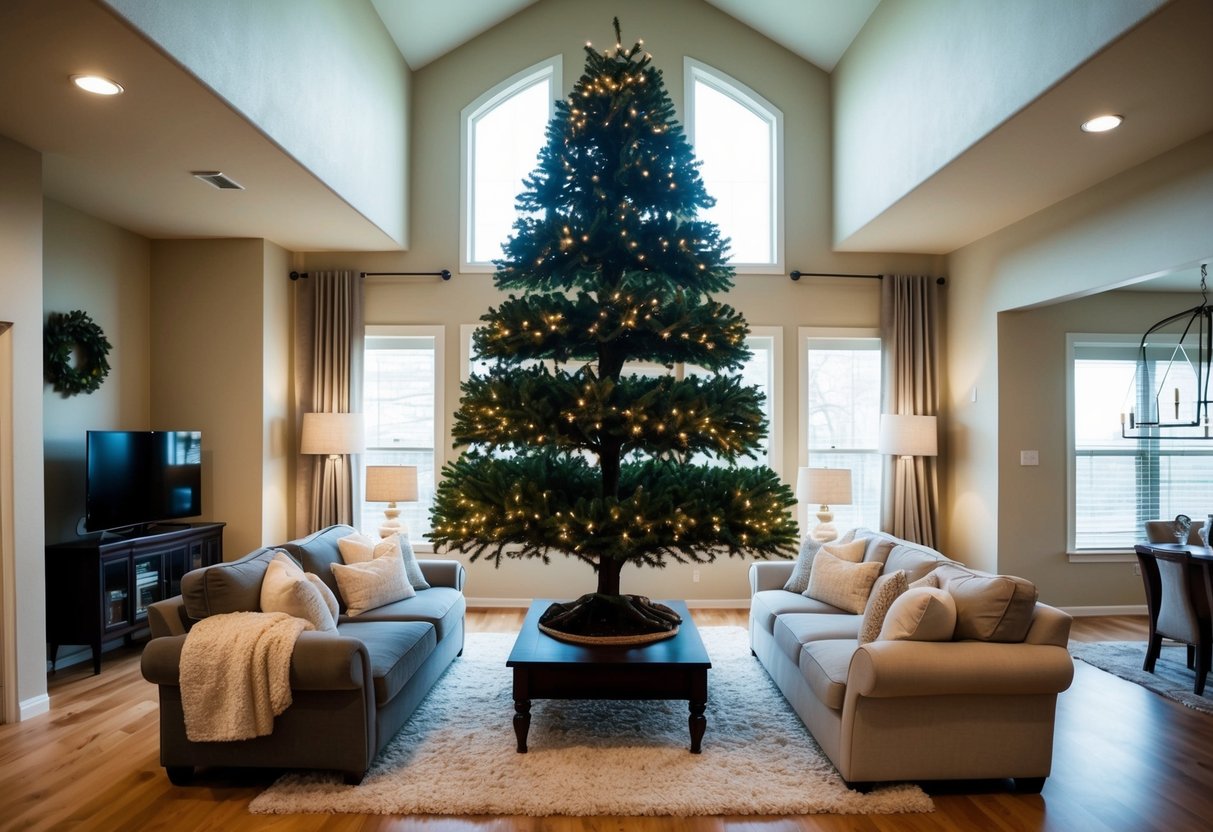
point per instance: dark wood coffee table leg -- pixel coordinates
(522, 722)
(698, 704)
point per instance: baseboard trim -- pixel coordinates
(34, 706)
(1126, 609)
(692, 603)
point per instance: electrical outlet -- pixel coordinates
(695, 576)
(1137, 569)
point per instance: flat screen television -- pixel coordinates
(140, 477)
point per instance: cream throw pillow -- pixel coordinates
(287, 588)
(920, 614)
(884, 592)
(852, 551)
(841, 583)
(360, 548)
(799, 580)
(373, 583)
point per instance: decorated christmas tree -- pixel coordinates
(567, 448)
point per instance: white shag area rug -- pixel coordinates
(456, 755)
(1171, 677)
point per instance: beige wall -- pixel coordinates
(21, 303)
(209, 302)
(277, 441)
(331, 88)
(925, 80)
(1148, 220)
(103, 270)
(670, 29)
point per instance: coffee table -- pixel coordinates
(545, 668)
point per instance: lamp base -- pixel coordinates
(824, 531)
(392, 524)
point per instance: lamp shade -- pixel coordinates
(903, 435)
(391, 483)
(332, 433)
(824, 486)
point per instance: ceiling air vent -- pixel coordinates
(218, 180)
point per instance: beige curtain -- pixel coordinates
(909, 319)
(328, 379)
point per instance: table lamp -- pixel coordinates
(391, 484)
(904, 435)
(332, 434)
(825, 487)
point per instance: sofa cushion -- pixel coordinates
(233, 586)
(317, 553)
(840, 583)
(879, 545)
(769, 603)
(824, 665)
(798, 581)
(914, 560)
(884, 592)
(921, 614)
(794, 630)
(287, 588)
(396, 650)
(441, 606)
(373, 583)
(989, 607)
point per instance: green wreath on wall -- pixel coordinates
(74, 335)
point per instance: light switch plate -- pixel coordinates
(1029, 457)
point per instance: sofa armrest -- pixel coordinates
(443, 573)
(321, 661)
(770, 574)
(886, 669)
(167, 617)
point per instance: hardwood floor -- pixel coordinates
(1124, 759)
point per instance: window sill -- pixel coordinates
(1110, 556)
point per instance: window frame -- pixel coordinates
(695, 71)
(438, 333)
(804, 511)
(1131, 343)
(550, 69)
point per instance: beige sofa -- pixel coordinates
(351, 691)
(896, 710)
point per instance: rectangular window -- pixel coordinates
(840, 418)
(402, 400)
(1116, 484)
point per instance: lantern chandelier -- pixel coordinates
(1169, 396)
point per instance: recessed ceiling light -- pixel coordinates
(1102, 124)
(97, 84)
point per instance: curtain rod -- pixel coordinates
(445, 274)
(796, 274)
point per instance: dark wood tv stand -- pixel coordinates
(98, 588)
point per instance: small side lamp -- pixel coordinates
(904, 435)
(391, 484)
(332, 434)
(825, 487)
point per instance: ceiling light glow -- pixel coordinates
(1102, 124)
(97, 85)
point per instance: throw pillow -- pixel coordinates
(799, 580)
(287, 588)
(373, 583)
(360, 548)
(852, 551)
(841, 583)
(330, 600)
(922, 614)
(884, 592)
(989, 607)
(930, 579)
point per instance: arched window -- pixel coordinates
(738, 136)
(503, 132)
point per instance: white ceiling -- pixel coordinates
(128, 160)
(817, 30)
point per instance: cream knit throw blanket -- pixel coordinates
(236, 674)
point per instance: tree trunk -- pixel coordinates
(608, 576)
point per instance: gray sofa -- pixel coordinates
(351, 691)
(897, 710)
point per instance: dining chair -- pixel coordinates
(1183, 604)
